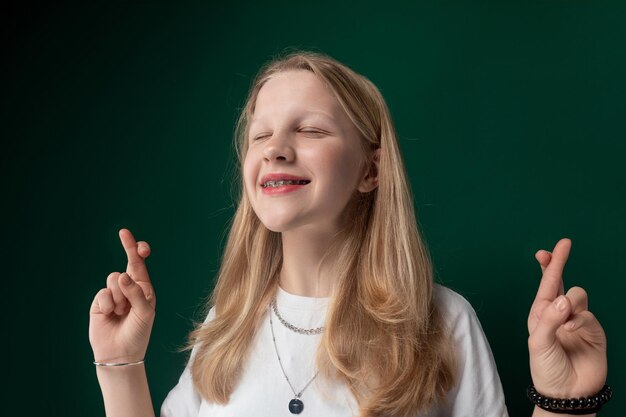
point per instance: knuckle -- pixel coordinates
(533, 343)
(116, 292)
(104, 300)
(133, 290)
(120, 277)
(538, 344)
(112, 278)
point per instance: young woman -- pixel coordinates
(325, 303)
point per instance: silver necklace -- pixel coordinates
(290, 326)
(295, 405)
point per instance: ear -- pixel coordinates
(369, 182)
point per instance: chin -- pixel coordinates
(279, 219)
(275, 225)
(275, 229)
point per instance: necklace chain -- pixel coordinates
(296, 394)
(290, 326)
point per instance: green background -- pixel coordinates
(511, 118)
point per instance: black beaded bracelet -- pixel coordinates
(576, 406)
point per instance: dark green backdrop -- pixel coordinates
(511, 118)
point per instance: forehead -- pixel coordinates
(296, 92)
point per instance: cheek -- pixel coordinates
(345, 165)
(250, 173)
(341, 168)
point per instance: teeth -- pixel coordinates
(284, 182)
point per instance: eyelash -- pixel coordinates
(305, 131)
(312, 132)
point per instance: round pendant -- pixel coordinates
(296, 406)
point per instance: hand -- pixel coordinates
(121, 315)
(567, 344)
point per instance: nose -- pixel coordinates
(279, 148)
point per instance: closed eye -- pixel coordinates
(313, 133)
(262, 136)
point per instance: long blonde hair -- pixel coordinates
(382, 302)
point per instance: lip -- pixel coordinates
(283, 189)
(276, 176)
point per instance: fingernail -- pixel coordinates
(570, 325)
(559, 303)
(126, 280)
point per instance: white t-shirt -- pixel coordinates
(264, 391)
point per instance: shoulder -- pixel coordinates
(210, 315)
(461, 320)
(451, 304)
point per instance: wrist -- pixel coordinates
(113, 358)
(563, 392)
(114, 375)
(538, 412)
(108, 364)
(579, 406)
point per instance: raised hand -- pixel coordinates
(122, 314)
(567, 344)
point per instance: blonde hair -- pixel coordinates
(382, 300)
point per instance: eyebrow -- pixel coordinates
(306, 114)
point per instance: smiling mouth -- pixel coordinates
(280, 183)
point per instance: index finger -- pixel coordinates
(551, 285)
(136, 267)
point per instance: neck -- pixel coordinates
(302, 272)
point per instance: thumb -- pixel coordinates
(552, 317)
(135, 295)
(543, 257)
